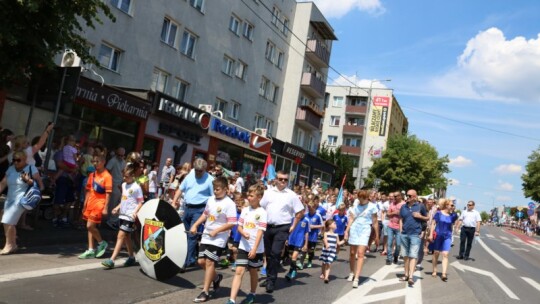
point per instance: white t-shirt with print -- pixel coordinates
(132, 195)
(252, 220)
(218, 213)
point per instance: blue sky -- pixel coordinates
(466, 73)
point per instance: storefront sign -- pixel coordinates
(235, 134)
(293, 152)
(111, 98)
(178, 132)
(183, 111)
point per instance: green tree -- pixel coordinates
(344, 165)
(32, 32)
(485, 216)
(531, 177)
(409, 163)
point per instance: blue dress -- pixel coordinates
(362, 216)
(443, 227)
(16, 189)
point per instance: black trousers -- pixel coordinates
(274, 241)
(466, 236)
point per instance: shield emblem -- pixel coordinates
(153, 239)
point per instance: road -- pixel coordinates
(53, 274)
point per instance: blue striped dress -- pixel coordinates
(329, 255)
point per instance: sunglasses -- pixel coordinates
(470, 205)
(283, 179)
(451, 205)
(17, 160)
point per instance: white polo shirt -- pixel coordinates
(470, 218)
(281, 206)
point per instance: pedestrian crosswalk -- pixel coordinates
(515, 241)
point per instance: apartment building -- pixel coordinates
(361, 129)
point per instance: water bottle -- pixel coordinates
(476, 239)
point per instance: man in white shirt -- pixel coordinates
(167, 177)
(239, 183)
(284, 210)
(469, 221)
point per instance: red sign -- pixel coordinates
(381, 101)
(260, 143)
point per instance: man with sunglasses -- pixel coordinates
(284, 210)
(469, 221)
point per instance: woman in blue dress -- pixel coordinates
(442, 224)
(361, 218)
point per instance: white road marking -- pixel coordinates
(515, 248)
(494, 255)
(503, 287)
(504, 238)
(490, 236)
(412, 295)
(532, 283)
(528, 244)
(47, 272)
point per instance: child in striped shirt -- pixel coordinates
(329, 251)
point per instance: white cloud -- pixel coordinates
(453, 182)
(503, 199)
(505, 186)
(340, 8)
(359, 82)
(508, 169)
(495, 68)
(460, 161)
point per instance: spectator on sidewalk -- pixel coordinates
(64, 190)
(17, 180)
(167, 177)
(153, 181)
(115, 167)
(469, 221)
(239, 183)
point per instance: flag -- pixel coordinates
(269, 171)
(339, 199)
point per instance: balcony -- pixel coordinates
(350, 150)
(307, 118)
(313, 85)
(317, 52)
(355, 110)
(353, 130)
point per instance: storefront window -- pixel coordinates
(229, 156)
(303, 176)
(325, 178)
(279, 163)
(252, 167)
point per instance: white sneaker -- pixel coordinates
(351, 277)
(355, 284)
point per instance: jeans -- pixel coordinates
(274, 241)
(410, 245)
(191, 215)
(466, 235)
(393, 233)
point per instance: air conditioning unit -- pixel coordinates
(206, 107)
(70, 59)
(261, 131)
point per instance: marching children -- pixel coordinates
(315, 225)
(298, 241)
(234, 239)
(131, 202)
(219, 217)
(341, 221)
(329, 252)
(251, 226)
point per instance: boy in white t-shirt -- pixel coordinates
(219, 217)
(251, 226)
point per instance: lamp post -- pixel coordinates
(362, 147)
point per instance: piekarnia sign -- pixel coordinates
(237, 135)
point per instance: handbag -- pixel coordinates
(32, 195)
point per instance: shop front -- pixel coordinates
(237, 149)
(94, 114)
(175, 130)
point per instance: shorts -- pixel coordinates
(63, 192)
(126, 226)
(294, 248)
(341, 237)
(211, 252)
(93, 212)
(311, 245)
(410, 245)
(243, 260)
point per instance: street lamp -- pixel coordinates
(361, 163)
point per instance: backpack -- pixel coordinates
(32, 195)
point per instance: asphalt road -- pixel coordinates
(53, 274)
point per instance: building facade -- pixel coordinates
(360, 121)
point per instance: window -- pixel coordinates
(123, 5)
(259, 121)
(180, 89)
(334, 121)
(285, 26)
(275, 15)
(197, 4)
(355, 121)
(332, 140)
(234, 25)
(227, 66)
(168, 31)
(248, 30)
(270, 49)
(235, 110)
(159, 80)
(263, 87)
(273, 93)
(280, 58)
(188, 44)
(109, 57)
(300, 135)
(241, 69)
(338, 102)
(310, 143)
(359, 101)
(269, 126)
(220, 105)
(353, 142)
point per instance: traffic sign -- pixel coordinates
(532, 205)
(530, 212)
(519, 214)
(519, 208)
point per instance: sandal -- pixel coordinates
(410, 281)
(434, 274)
(404, 279)
(444, 278)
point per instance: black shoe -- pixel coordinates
(395, 260)
(466, 258)
(215, 283)
(460, 257)
(203, 297)
(270, 287)
(388, 262)
(263, 283)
